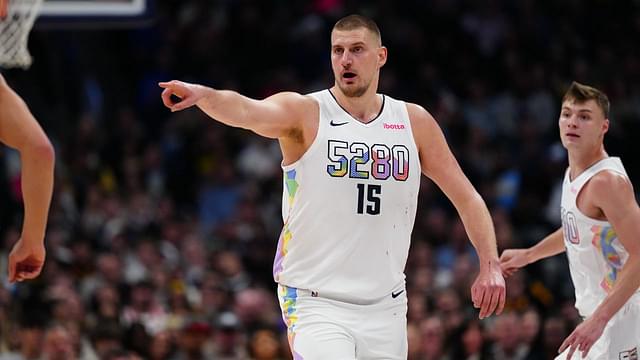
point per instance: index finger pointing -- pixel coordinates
(165, 84)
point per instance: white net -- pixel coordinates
(14, 33)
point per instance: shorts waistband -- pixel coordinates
(284, 289)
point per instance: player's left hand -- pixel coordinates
(488, 290)
(26, 260)
(583, 337)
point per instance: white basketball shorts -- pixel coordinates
(320, 328)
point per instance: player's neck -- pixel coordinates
(579, 161)
(364, 108)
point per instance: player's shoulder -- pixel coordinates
(419, 116)
(606, 184)
(608, 179)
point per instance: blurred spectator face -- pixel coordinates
(507, 332)
(422, 279)
(142, 297)
(472, 339)
(433, 336)
(227, 337)
(106, 338)
(161, 346)
(264, 345)
(108, 302)
(193, 337)
(530, 326)
(464, 272)
(214, 296)
(31, 342)
(148, 254)
(417, 307)
(69, 308)
(250, 305)
(448, 304)
(229, 263)
(58, 345)
(554, 333)
(110, 267)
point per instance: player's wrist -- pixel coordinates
(529, 256)
(32, 239)
(489, 263)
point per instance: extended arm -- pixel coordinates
(19, 130)
(439, 164)
(278, 116)
(513, 259)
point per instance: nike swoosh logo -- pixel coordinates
(396, 294)
(338, 124)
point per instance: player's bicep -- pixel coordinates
(614, 195)
(279, 116)
(17, 125)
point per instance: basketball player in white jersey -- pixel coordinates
(352, 161)
(19, 130)
(600, 226)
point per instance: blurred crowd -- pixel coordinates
(163, 226)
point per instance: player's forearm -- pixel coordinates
(551, 245)
(477, 222)
(625, 286)
(37, 186)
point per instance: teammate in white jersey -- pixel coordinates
(352, 159)
(600, 223)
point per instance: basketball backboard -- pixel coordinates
(94, 13)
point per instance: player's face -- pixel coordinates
(356, 58)
(582, 125)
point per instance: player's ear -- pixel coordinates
(605, 126)
(382, 56)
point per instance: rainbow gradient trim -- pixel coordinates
(603, 238)
(283, 245)
(288, 301)
(291, 186)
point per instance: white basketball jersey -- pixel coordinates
(349, 204)
(594, 251)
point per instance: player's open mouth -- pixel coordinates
(573, 135)
(349, 75)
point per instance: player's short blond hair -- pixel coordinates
(581, 93)
(353, 22)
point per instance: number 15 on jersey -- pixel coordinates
(362, 161)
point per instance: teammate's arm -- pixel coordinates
(613, 194)
(20, 130)
(278, 116)
(513, 259)
(439, 164)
